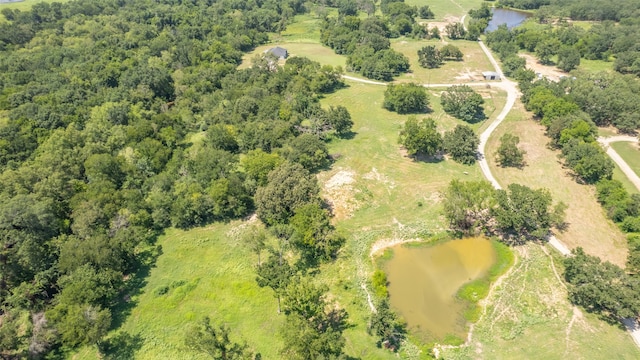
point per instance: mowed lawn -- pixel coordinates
(445, 9)
(451, 72)
(588, 224)
(529, 317)
(630, 153)
(313, 51)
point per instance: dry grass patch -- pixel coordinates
(452, 72)
(588, 224)
(550, 72)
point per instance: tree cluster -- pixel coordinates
(421, 138)
(430, 57)
(517, 214)
(462, 102)
(366, 44)
(601, 287)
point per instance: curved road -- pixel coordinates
(626, 169)
(512, 94)
(632, 326)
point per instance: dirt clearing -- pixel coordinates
(550, 72)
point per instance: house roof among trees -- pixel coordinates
(279, 52)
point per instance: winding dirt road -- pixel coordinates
(626, 169)
(632, 325)
(512, 94)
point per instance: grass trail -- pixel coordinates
(529, 317)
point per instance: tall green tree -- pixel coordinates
(462, 144)
(289, 186)
(406, 98)
(508, 153)
(588, 160)
(385, 325)
(420, 137)
(467, 205)
(568, 58)
(430, 57)
(463, 102)
(275, 273)
(313, 329)
(313, 235)
(523, 213)
(340, 120)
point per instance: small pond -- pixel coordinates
(511, 18)
(423, 282)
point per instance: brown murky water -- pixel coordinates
(423, 283)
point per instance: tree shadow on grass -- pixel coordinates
(430, 159)
(134, 285)
(122, 346)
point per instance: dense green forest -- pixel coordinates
(122, 118)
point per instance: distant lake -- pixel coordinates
(512, 18)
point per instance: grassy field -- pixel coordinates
(588, 225)
(630, 153)
(391, 185)
(468, 70)
(445, 9)
(24, 5)
(595, 65)
(381, 195)
(529, 317)
(313, 51)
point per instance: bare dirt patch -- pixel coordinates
(550, 72)
(387, 243)
(377, 176)
(339, 193)
(441, 25)
(469, 75)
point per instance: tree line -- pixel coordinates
(565, 44)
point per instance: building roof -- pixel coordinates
(490, 73)
(279, 52)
